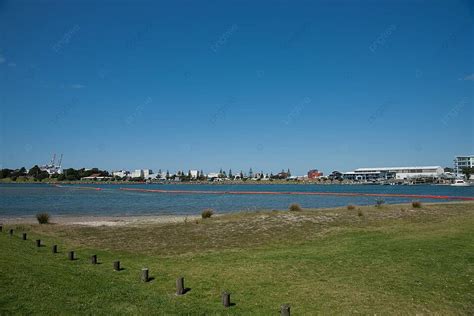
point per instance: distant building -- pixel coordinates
(121, 173)
(400, 173)
(314, 174)
(138, 173)
(96, 176)
(213, 175)
(194, 174)
(147, 173)
(335, 175)
(461, 162)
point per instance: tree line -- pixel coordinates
(37, 174)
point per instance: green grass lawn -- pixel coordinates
(390, 260)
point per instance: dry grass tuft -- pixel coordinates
(295, 208)
(416, 204)
(43, 218)
(207, 213)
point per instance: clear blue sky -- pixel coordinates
(208, 84)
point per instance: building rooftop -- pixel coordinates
(397, 168)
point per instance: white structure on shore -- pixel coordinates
(399, 173)
(461, 162)
(53, 168)
(121, 173)
(194, 174)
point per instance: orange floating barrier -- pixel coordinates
(414, 196)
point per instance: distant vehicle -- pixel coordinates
(461, 183)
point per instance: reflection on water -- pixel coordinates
(28, 199)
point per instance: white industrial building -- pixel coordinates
(399, 173)
(461, 162)
(194, 174)
(121, 173)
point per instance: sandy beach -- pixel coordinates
(96, 221)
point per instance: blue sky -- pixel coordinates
(332, 85)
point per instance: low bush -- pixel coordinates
(295, 207)
(43, 218)
(351, 207)
(207, 213)
(379, 202)
(416, 204)
(360, 213)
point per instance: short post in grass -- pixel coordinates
(117, 265)
(94, 259)
(54, 249)
(180, 286)
(144, 275)
(38, 242)
(1, 228)
(11, 232)
(70, 255)
(226, 299)
(24, 236)
(285, 310)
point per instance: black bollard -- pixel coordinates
(285, 310)
(226, 299)
(38, 242)
(1, 228)
(54, 249)
(117, 265)
(11, 232)
(145, 277)
(70, 255)
(24, 236)
(94, 259)
(180, 286)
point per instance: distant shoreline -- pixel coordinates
(249, 182)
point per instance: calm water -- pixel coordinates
(28, 199)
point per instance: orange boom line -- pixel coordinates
(416, 196)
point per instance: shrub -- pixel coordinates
(416, 204)
(360, 213)
(351, 207)
(43, 218)
(295, 207)
(379, 202)
(207, 213)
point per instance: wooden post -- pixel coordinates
(1, 228)
(24, 236)
(180, 286)
(285, 310)
(117, 265)
(145, 277)
(54, 249)
(38, 242)
(11, 232)
(226, 299)
(70, 255)
(94, 259)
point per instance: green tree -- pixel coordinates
(467, 171)
(5, 173)
(34, 171)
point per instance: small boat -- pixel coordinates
(461, 183)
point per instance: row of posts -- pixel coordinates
(180, 289)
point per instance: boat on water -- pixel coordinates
(461, 183)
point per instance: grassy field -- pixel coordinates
(393, 259)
